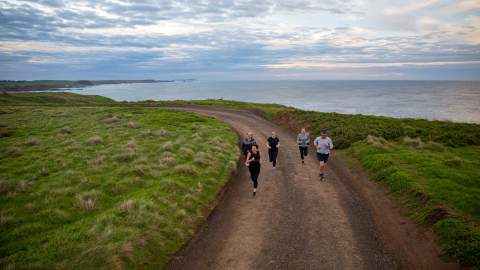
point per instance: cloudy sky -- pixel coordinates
(240, 39)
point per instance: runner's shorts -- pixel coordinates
(322, 157)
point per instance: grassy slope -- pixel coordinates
(438, 181)
(53, 99)
(269, 110)
(104, 187)
(440, 185)
(437, 178)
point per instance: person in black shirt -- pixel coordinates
(273, 143)
(247, 144)
(253, 164)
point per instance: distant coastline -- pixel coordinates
(42, 85)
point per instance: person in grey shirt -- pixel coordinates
(324, 145)
(303, 140)
(247, 144)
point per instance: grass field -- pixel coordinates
(433, 167)
(440, 185)
(104, 187)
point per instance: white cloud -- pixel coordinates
(164, 28)
(366, 65)
(408, 7)
(51, 47)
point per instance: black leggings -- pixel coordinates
(272, 155)
(303, 151)
(254, 172)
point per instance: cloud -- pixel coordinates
(260, 38)
(368, 65)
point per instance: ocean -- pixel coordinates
(457, 101)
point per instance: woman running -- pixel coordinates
(303, 140)
(253, 164)
(273, 143)
(247, 144)
(324, 145)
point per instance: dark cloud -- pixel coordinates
(231, 43)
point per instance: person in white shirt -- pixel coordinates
(324, 145)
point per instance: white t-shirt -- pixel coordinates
(323, 145)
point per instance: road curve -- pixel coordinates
(297, 221)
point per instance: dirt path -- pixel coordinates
(298, 222)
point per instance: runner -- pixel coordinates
(253, 164)
(323, 144)
(273, 143)
(247, 144)
(303, 140)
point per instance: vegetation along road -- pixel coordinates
(90, 183)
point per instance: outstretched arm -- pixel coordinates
(247, 162)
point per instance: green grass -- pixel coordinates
(347, 129)
(52, 99)
(440, 184)
(267, 110)
(436, 175)
(104, 187)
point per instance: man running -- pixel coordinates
(303, 140)
(253, 164)
(247, 144)
(273, 143)
(323, 144)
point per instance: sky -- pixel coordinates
(240, 39)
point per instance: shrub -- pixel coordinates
(32, 141)
(202, 159)
(98, 160)
(434, 146)
(66, 130)
(6, 187)
(168, 146)
(378, 142)
(43, 172)
(141, 170)
(14, 151)
(185, 169)
(127, 205)
(185, 152)
(95, 140)
(168, 161)
(196, 136)
(132, 124)
(126, 156)
(5, 132)
(415, 142)
(347, 129)
(87, 200)
(159, 133)
(112, 119)
(131, 144)
(453, 162)
(23, 185)
(460, 240)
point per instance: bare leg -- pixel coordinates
(322, 169)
